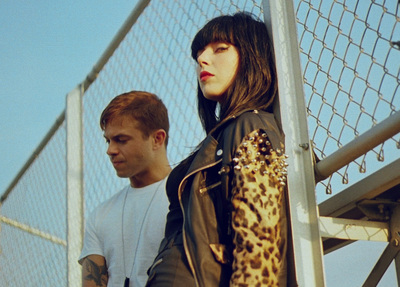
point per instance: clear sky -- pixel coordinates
(47, 48)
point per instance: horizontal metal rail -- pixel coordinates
(33, 231)
(350, 229)
(359, 146)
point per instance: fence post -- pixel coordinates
(75, 199)
(281, 21)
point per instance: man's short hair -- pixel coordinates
(144, 107)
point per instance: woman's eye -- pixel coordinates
(221, 49)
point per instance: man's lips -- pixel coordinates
(204, 76)
(116, 162)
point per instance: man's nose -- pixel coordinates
(112, 149)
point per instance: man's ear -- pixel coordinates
(159, 137)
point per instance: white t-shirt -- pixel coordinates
(143, 219)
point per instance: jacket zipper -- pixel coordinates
(189, 258)
(205, 189)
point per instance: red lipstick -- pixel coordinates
(204, 76)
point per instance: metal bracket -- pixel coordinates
(377, 209)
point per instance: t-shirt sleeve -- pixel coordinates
(91, 240)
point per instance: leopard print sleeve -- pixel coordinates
(258, 216)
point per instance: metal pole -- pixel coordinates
(75, 198)
(280, 17)
(359, 146)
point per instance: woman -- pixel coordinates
(227, 221)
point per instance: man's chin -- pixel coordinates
(121, 174)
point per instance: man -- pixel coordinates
(122, 234)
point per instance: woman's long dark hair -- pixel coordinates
(255, 84)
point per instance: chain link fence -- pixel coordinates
(33, 222)
(350, 53)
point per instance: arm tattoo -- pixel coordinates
(96, 273)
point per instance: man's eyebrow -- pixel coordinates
(117, 136)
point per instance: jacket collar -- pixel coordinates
(216, 131)
(206, 155)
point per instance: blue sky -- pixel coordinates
(47, 49)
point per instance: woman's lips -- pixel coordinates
(204, 76)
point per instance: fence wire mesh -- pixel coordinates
(33, 222)
(350, 53)
(156, 60)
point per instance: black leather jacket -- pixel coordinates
(205, 196)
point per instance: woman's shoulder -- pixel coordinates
(246, 123)
(251, 120)
(255, 115)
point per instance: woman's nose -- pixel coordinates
(204, 58)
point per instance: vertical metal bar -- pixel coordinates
(74, 184)
(397, 266)
(395, 239)
(280, 17)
